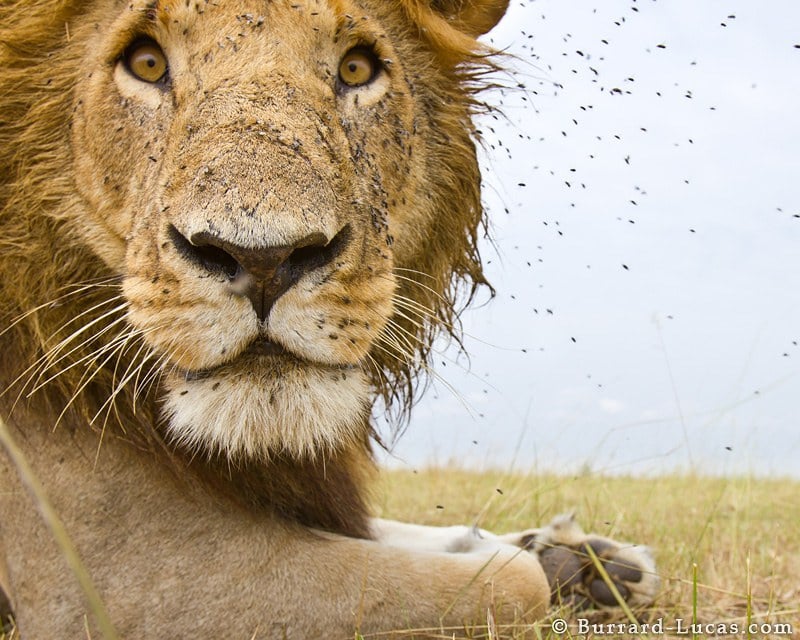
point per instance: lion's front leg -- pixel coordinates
(468, 570)
(563, 550)
(454, 539)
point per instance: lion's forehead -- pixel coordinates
(210, 28)
(258, 13)
(255, 47)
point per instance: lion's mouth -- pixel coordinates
(259, 347)
(265, 347)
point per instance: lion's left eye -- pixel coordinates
(358, 67)
(146, 61)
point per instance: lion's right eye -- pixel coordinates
(146, 61)
(358, 67)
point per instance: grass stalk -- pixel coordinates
(59, 533)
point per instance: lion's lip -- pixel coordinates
(265, 347)
(258, 347)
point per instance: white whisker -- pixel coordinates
(94, 354)
(80, 288)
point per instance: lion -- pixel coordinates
(226, 230)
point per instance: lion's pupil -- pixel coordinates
(353, 67)
(151, 62)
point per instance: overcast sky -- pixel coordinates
(645, 205)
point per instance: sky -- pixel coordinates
(642, 188)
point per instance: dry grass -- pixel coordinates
(742, 534)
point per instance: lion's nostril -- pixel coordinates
(307, 253)
(213, 259)
(317, 252)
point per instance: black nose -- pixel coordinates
(268, 271)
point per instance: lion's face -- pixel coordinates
(258, 173)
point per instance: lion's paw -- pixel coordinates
(565, 553)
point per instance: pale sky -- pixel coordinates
(649, 261)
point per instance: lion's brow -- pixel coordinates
(340, 10)
(159, 10)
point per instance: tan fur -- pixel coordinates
(212, 490)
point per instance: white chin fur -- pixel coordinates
(262, 407)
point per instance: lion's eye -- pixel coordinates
(146, 61)
(358, 67)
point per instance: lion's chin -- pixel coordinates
(264, 404)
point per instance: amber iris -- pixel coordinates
(357, 68)
(146, 61)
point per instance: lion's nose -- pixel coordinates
(266, 272)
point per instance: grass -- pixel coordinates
(740, 537)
